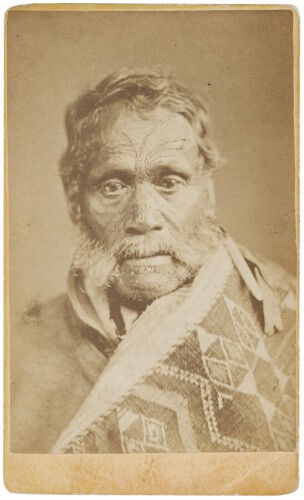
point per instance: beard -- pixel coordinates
(144, 281)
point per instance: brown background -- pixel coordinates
(242, 60)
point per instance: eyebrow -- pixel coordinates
(159, 170)
(101, 174)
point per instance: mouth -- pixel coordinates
(147, 259)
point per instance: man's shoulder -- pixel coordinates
(49, 377)
(265, 289)
(42, 333)
(49, 322)
(277, 276)
(52, 311)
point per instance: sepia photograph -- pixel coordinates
(152, 252)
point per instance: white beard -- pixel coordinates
(102, 266)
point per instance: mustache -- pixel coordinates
(172, 243)
(140, 247)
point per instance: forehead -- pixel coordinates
(153, 130)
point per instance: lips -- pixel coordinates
(144, 260)
(142, 255)
(149, 255)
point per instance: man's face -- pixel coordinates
(148, 201)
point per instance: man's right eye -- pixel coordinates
(113, 188)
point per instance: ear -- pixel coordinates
(72, 194)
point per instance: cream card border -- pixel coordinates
(189, 473)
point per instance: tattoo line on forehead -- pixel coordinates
(128, 145)
(118, 149)
(181, 148)
(126, 137)
(163, 153)
(157, 126)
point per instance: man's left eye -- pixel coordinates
(170, 184)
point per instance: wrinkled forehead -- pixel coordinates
(124, 129)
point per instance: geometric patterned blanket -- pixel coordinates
(226, 387)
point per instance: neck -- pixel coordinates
(116, 300)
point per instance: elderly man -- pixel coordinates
(171, 337)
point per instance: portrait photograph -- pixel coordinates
(151, 240)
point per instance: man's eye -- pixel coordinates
(170, 184)
(113, 188)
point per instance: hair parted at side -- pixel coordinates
(141, 91)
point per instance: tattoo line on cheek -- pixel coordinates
(171, 216)
(168, 213)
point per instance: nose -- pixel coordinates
(143, 214)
